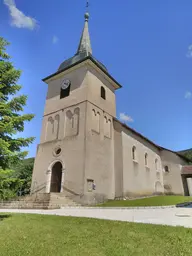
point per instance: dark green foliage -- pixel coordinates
(23, 171)
(11, 122)
(9, 185)
(187, 153)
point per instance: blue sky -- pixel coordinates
(146, 46)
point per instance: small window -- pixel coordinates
(166, 168)
(156, 164)
(64, 92)
(58, 151)
(146, 159)
(134, 153)
(103, 93)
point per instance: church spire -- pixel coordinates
(85, 43)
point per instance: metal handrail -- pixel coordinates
(42, 186)
(71, 191)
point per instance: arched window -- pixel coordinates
(156, 164)
(146, 159)
(103, 93)
(65, 89)
(56, 126)
(50, 129)
(166, 168)
(134, 153)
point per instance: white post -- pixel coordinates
(189, 183)
(48, 184)
(62, 180)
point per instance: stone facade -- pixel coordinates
(99, 157)
(95, 148)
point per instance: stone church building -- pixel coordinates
(85, 152)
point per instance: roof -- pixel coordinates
(78, 58)
(89, 57)
(151, 142)
(84, 52)
(85, 42)
(84, 49)
(187, 169)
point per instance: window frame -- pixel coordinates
(166, 169)
(146, 159)
(103, 93)
(134, 154)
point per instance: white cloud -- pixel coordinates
(55, 39)
(18, 18)
(189, 53)
(125, 118)
(188, 95)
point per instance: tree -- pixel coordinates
(187, 153)
(11, 119)
(23, 171)
(9, 185)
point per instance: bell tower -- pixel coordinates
(76, 151)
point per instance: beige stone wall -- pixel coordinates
(99, 163)
(138, 178)
(95, 147)
(71, 142)
(81, 124)
(172, 179)
(63, 126)
(95, 81)
(118, 159)
(78, 91)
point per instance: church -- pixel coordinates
(85, 152)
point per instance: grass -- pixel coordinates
(150, 201)
(30, 234)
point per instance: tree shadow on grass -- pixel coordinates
(4, 216)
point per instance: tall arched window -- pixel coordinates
(56, 126)
(156, 164)
(146, 159)
(134, 153)
(103, 95)
(50, 129)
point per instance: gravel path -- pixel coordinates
(162, 216)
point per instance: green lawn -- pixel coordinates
(150, 201)
(40, 235)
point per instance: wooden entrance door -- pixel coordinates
(56, 178)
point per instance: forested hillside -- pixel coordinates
(187, 153)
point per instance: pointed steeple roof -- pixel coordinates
(84, 50)
(85, 42)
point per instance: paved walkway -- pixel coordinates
(166, 216)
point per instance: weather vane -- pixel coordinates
(87, 4)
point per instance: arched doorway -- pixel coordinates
(158, 187)
(56, 178)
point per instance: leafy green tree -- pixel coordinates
(11, 120)
(23, 171)
(9, 185)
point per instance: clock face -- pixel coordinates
(65, 84)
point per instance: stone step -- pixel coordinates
(62, 199)
(40, 201)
